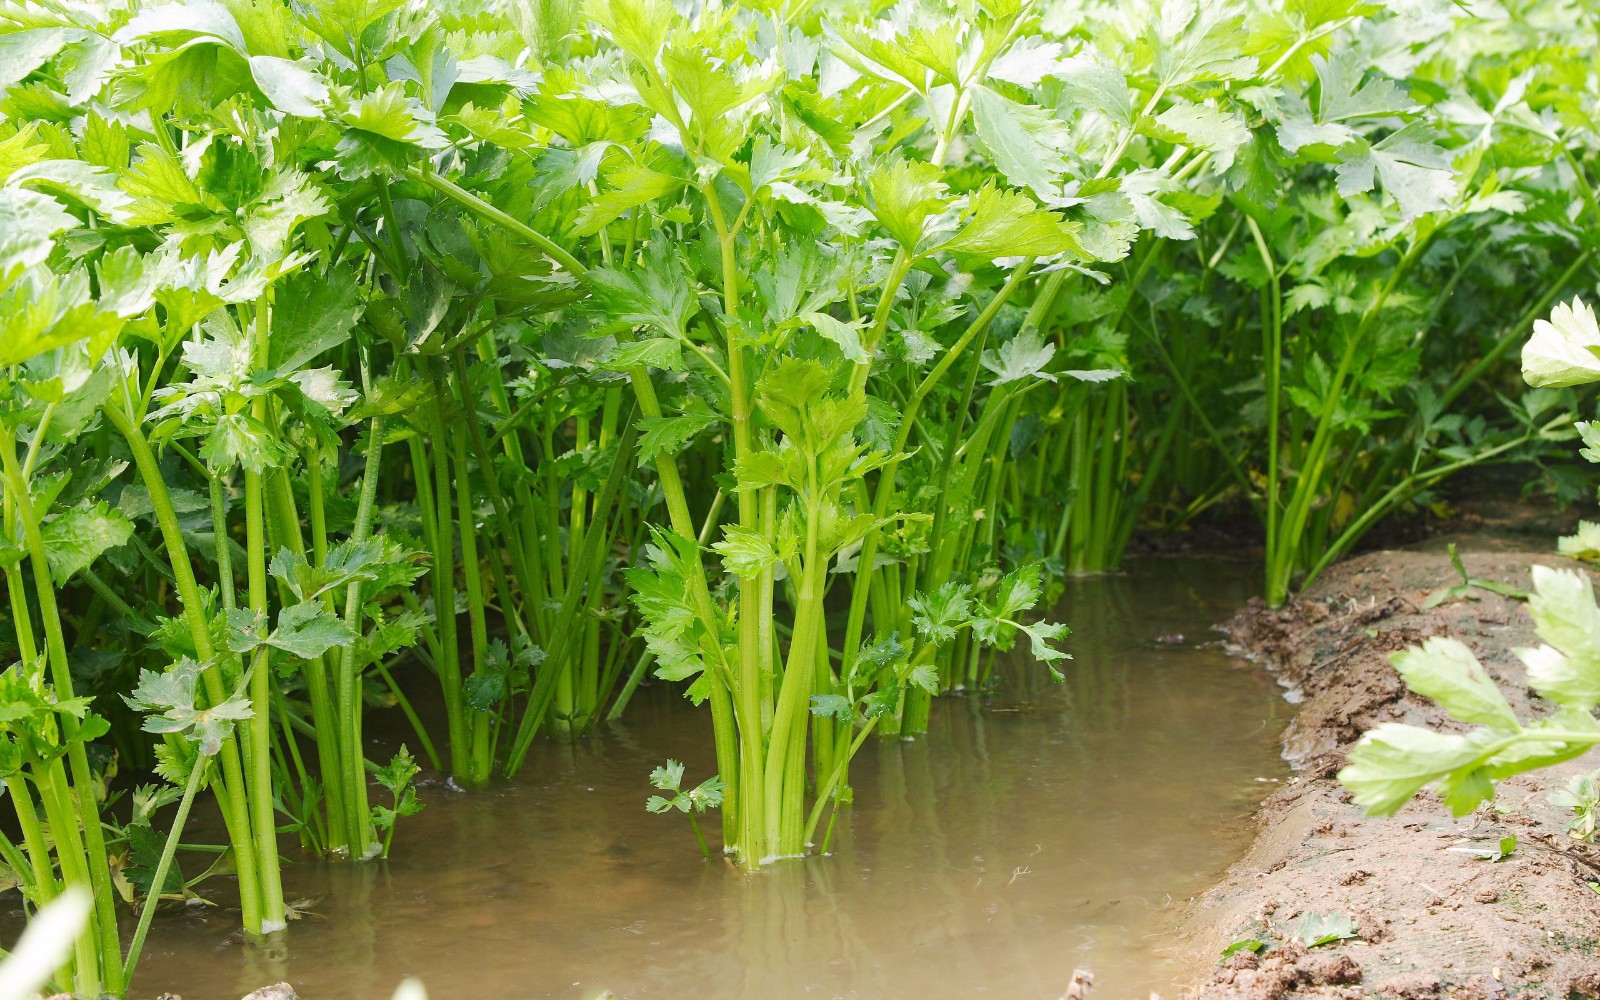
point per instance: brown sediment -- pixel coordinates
(1432, 922)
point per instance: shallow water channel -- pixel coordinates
(1048, 828)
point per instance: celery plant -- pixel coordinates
(792, 410)
(55, 527)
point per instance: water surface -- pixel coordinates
(1046, 828)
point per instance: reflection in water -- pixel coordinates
(1047, 828)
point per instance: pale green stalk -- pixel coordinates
(98, 870)
(258, 738)
(232, 793)
(348, 693)
(168, 851)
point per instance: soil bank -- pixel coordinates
(1432, 922)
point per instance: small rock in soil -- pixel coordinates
(277, 991)
(1481, 988)
(1585, 984)
(1329, 970)
(1078, 989)
(1411, 986)
(1241, 960)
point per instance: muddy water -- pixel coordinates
(1049, 828)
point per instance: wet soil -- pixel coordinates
(1433, 922)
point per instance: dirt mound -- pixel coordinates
(1431, 921)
